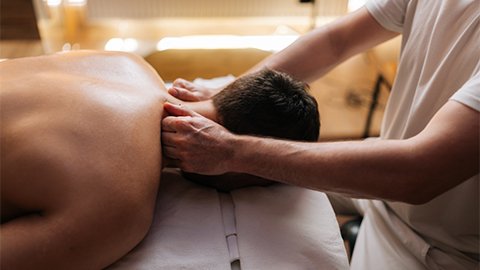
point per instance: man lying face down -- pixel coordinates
(266, 103)
(81, 153)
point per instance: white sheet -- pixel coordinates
(285, 227)
(187, 231)
(277, 227)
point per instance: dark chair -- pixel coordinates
(374, 102)
(349, 232)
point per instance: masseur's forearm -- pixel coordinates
(317, 52)
(415, 170)
(359, 169)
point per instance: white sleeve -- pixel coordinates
(389, 13)
(469, 93)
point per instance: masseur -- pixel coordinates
(421, 176)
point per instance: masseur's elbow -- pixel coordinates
(428, 185)
(411, 193)
(418, 198)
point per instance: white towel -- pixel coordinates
(187, 231)
(285, 227)
(275, 227)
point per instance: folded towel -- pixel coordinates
(275, 227)
(285, 227)
(187, 231)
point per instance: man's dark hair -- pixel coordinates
(269, 103)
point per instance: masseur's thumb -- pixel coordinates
(178, 110)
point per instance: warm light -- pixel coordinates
(267, 43)
(70, 47)
(120, 44)
(67, 47)
(53, 3)
(355, 4)
(77, 2)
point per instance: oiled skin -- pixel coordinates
(80, 158)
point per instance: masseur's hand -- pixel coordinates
(188, 91)
(194, 143)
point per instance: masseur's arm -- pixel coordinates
(414, 170)
(312, 55)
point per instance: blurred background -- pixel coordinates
(209, 39)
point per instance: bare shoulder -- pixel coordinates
(73, 121)
(107, 66)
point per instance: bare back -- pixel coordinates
(80, 152)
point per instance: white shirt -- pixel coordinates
(440, 60)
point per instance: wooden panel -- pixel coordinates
(20, 48)
(191, 64)
(211, 8)
(17, 20)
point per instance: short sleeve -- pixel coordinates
(469, 94)
(388, 13)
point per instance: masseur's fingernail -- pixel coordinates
(173, 91)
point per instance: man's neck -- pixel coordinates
(204, 108)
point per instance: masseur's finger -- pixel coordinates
(169, 124)
(170, 152)
(183, 94)
(178, 110)
(184, 90)
(176, 124)
(180, 82)
(169, 138)
(175, 121)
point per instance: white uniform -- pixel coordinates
(439, 61)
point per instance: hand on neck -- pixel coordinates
(204, 107)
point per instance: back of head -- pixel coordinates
(266, 103)
(269, 103)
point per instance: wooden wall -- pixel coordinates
(17, 20)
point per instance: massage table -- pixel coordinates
(273, 227)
